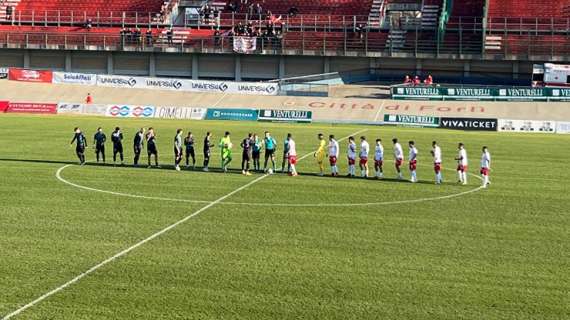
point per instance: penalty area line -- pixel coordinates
(138, 244)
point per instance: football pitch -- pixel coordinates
(105, 242)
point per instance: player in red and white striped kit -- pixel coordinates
(351, 154)
(292, 155)
(333, 155)
(378, 159)
(462, 164)
(398, 157)
(485, 166)
(437, 159)
(413, 159)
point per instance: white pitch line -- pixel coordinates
(379, 110)
(136, 245)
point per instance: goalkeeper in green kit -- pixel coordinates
(226, 148)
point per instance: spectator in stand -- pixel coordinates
(9, 11)
(149, 37)
(258, 10)
(169, 36)
(88, 24)
(360, 31)
(417, 81)
(233, 7)
(429, 80)
(293, 11)
(251, 9)
(217, 37)
(407, 80)
(89, 99)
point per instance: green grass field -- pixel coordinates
(346, 249)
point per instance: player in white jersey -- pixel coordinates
(292, 155)
(462, 164)
(436, 153)
(378, 159)
(333, 151)
(398, 157)
(485, 166)
(364, 150)
(351, 154)
(413, 159)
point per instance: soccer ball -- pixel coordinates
(270, 171)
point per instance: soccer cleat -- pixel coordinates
(247, 173)
(205, 169)
(177, 168)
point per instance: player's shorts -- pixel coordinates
(399, 162)
(151, 149)
(269, 153)
(190, 151)
(255, 154)
(378, 163)
(363, 161)
(118, 148)
(320, 157)
(461, 168)
(351, 161)
(226, 154)
(177, 153)
(80, 150)
(413, 165)
(485, 171)
(437, 167)
(246, 156)
(293, 160)
(332, 160)
(100, 148)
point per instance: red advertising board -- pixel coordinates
(26, 75)
(4, 106)
(31, 107)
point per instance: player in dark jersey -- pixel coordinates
(256, 152)
(117, 138)
(178, 149)
(81, 145)
(151, 147)
(247, 145)
(207, 150)
(138, 144)
(189, 144)
(99, 142)
(286, 156)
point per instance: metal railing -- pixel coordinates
(80, 18)
(302, 43)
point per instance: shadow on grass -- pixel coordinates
(200, 169)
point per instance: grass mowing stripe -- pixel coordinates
(142, 242)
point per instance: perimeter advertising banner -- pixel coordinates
(232, 114)
(3, 73)
(527, 126)
(126, 111)
(563, 127)
(4, 105)
(479, 93)
(256, 88)
(469, 124)
(75, 78)
(17, 74)
(180, 113)
(31, 107)
(407, 120)
(70, 108)
(286, 115)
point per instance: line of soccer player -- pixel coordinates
(252, 147)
